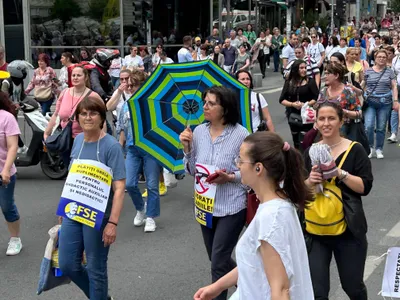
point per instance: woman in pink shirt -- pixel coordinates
(68, 101)
(9, 132)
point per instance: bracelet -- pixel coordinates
(395, 100)
(116, 224)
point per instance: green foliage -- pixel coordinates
(395, 5)
(313, 16)
(65, 10)
(96, 9)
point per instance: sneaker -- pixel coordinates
(110, 298)
(142, 179)
(22, 150)
(379, 154)
(267, 67)
(372, 154)
(150, 225)
(144, 195)
(392, 138)
(14, 246)
(162, 189)
(140, 218)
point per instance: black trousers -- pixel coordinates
(220, 242)
(261, 60)
(350, 255)
(298, 133)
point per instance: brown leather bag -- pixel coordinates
(43, 94)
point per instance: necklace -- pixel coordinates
(79, 99)
(334, 145)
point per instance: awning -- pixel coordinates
(281, 3)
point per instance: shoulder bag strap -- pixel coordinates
(349, 78)
(373, 90)
(344, 158)
(76, 104)
(260, 108)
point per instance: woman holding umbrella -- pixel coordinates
(209, 156)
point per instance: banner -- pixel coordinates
(204, 195)
(391, 275)
(85, 194)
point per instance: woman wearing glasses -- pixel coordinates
(381, 88)
(157, 56)
(214, 146)
(67, 103)
(317, 51)
(133, 60)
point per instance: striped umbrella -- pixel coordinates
(170, 100)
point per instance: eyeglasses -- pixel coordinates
(313, 37)
(239, 161)
(381, 57)
(124, 78)
(134, 50)
(159, 47)
(209, 104)
(90, 114)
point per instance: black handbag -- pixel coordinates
(61, 140)
(294, 117)
(263, 125)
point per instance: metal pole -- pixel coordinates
(211, 15)
(288, 22)
(121, 29)
(257, 14)
(2, 34)
(220, 18)
(249, 10)
(332, 16)
(357, 14)
(148, 33)
(26, 15)
(228, 16)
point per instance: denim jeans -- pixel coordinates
(7, 203)
(394, 122)
(376, 113)
(46, 106)
(135, 159)
(276, 61)
(75, 238)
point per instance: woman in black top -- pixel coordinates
(354, 180)
(298, 90)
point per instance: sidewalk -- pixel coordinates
(271, 81)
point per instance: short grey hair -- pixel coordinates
(233, 31)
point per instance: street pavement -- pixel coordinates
(172, 263)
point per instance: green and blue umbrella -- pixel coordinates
(170, 100)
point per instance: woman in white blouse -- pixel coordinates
(67, 59)
(271, 255)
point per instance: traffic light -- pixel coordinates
(147, 7)
(137, 13)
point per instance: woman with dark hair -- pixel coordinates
(217, 57)
(9, 133)
(298, 90)
(354, 179)
(93, 147)
(250, 34)
(67, 59)
(259, 107)
(333, 47)
(203, 53)
(242, 61)
(271, 254)
(157, 55)
(84, 54)
(44, 83)
(213, 146)
(146, 57)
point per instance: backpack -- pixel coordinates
(325, 215)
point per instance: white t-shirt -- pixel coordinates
(120, 103)
(167, 61)
(396, 68)
(343, 50)
(315, 51)
(276, 222)
(255, 114)
(116, 65)
(132, 62)
(330, 50)
(288, 52)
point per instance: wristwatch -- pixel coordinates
(343, 175)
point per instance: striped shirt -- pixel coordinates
(312, 67)
(383, 86)
(231, 197)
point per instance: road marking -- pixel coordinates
(271, 91)
(392, 237)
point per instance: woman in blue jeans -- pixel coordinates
(136, 160)
(75, 238)
(9, 133)
(381, 88)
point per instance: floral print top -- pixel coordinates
(348, 99)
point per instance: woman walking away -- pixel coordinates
(9, 132)
(93, 145)
(347, 241)
(213, 146)
(271, 254)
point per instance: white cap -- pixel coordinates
(374, 31)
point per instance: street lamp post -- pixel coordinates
(332, 16)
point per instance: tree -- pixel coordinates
(395, 5)
(65, 10)
(96, 9)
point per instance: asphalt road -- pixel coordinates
(172, 263)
